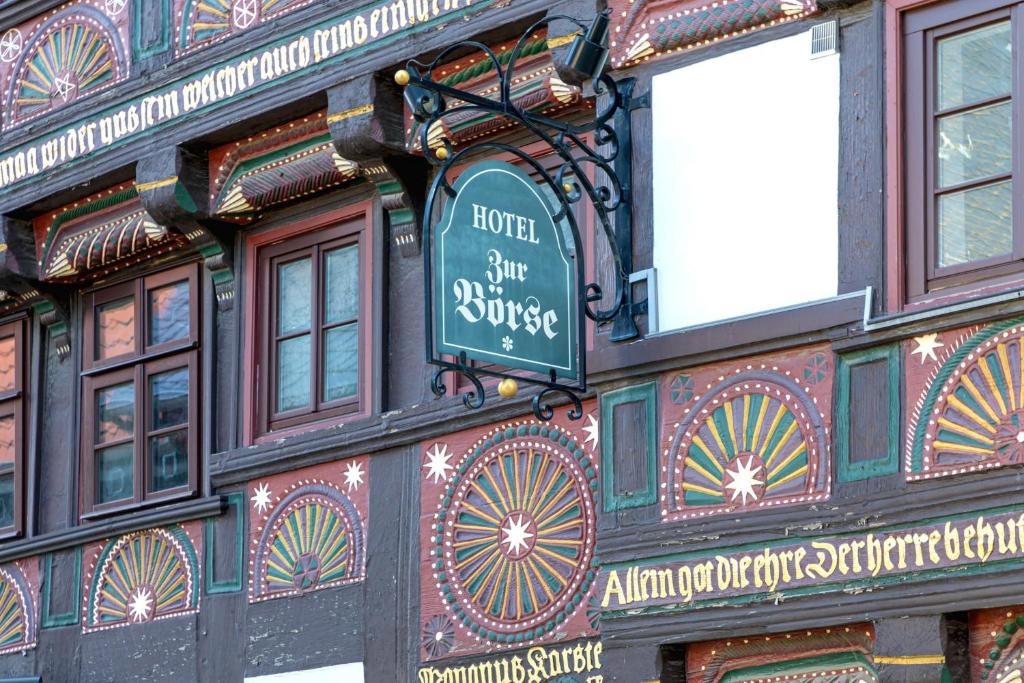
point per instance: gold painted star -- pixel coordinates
(926, 346)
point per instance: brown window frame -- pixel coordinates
(351, 225)
(923, 28)
(13, 403)
(137, 367)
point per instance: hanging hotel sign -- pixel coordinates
(505, 276)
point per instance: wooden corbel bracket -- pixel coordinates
(366, 116)
(20, 283)
(172, 184)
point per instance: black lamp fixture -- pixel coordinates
(589, 53)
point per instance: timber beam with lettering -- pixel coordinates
(366, 118)
(172, 185)
(20, 283)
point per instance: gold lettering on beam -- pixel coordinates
(156, 184)
(350, 113)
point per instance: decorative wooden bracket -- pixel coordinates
(172, 186)
(20, 283)
(366, 118)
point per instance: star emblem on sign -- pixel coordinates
(10, 45)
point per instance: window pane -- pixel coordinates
(168, 398)
(114, 473)
(975, 144)
(7, 361)
(975, 224)
(115, 328)
(168, 460)
(342, 293)
(7, 436)
(341, 361)
(293, 375)
(7, 500)
(169, 314)
(974, 66)
(115, 412)
(294, 301)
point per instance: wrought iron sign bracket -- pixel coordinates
(596, 163)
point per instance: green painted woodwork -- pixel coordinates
(163, 7)
(505, 278)
(646, 394)
(50, 620)
(889, 462)
(795, 667)
(233, 585)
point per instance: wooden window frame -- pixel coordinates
(914, 29)
(352, 224)
(137, 367)
(13, 403)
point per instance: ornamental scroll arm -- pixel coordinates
(593, 163)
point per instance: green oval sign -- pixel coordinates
(505, 278)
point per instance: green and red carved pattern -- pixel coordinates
(99, 235)
(291, 161)
(997, 644)
(647, 28)
(509, 546)
(747, 437)
(204, 22)
(969, 409)
(59, 57)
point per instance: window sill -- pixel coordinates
(733, 338)
(99, 530)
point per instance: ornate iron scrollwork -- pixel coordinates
(595, 164)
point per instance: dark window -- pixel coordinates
(310, 330)
(12, 433)
(140, 412)
(963, 152)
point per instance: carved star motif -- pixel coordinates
(244, 13)
(139, 605)
(744, 479)
(63, 86)
(353, 475)
(114, 7)
(10, 45)
(926, 346)
(437, 463)
(516, 536)
(261, 498)
(593, 432)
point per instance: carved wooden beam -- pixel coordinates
(366, 118)
(172, 185)
(20, 283)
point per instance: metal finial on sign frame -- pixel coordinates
(608, 154)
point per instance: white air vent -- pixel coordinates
(825, 39)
